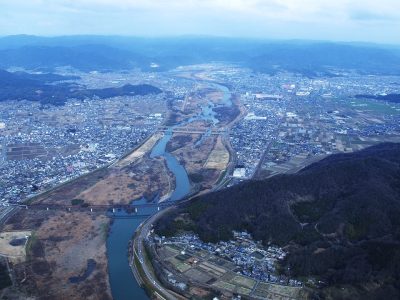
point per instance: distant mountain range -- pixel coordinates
(104, 53)
(339, 219)
(55, 89)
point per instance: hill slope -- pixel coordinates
(338, 217)
(46, 88)
(104, 53)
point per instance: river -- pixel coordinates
(122, 281)
(182, 183)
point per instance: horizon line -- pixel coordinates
(187, 36)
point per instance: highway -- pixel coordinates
(6, 212)
(3, 151)
(144, 229)
(138, 250)
(138, 246)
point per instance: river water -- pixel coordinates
(122, 281)
(182, 183)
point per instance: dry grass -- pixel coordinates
(59, 249)
(146, 177)
(219, 157)
(15, 253)
(215, 97)
(140, 152)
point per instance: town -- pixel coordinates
(237, 267)
(274, 124)
(290, 122)
(293, 120)
(42, 148)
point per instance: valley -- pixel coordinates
(213, 126)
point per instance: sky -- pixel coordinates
(338, 20)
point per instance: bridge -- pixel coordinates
(193, 131)
(133, 210)
(130, 216)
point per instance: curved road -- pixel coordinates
(138, 250)
(144, 230)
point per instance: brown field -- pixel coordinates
(15, 253)
(180, 140)
(148, 177)
(59, 249)
(199, 292)
(63, 242)
(113, 189)
(65, 193)
(202, 76)
(140, 152)
(193, 158)
(219, 157)
(115, 185)
(197, 126)
(215, 96)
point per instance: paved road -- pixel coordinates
(5, 212)
(145, 228)
(3, 153)
(138, 246)
(138, 249)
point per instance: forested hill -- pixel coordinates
(390, 97)
(116, 53)
(55, 89)
(340, 218)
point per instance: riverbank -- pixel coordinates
(119, 266)
(142, 266)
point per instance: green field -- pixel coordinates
(244, 281)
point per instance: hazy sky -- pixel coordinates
(348, 20)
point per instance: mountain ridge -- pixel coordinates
(338, 218)
(116, 53)
(50, 89)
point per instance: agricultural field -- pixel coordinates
(244, 281)
(273, 291)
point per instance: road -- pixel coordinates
(144, 229)
(3, 150)
(273, 137)
(6, 212)
(138, 250)
(138, 246)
